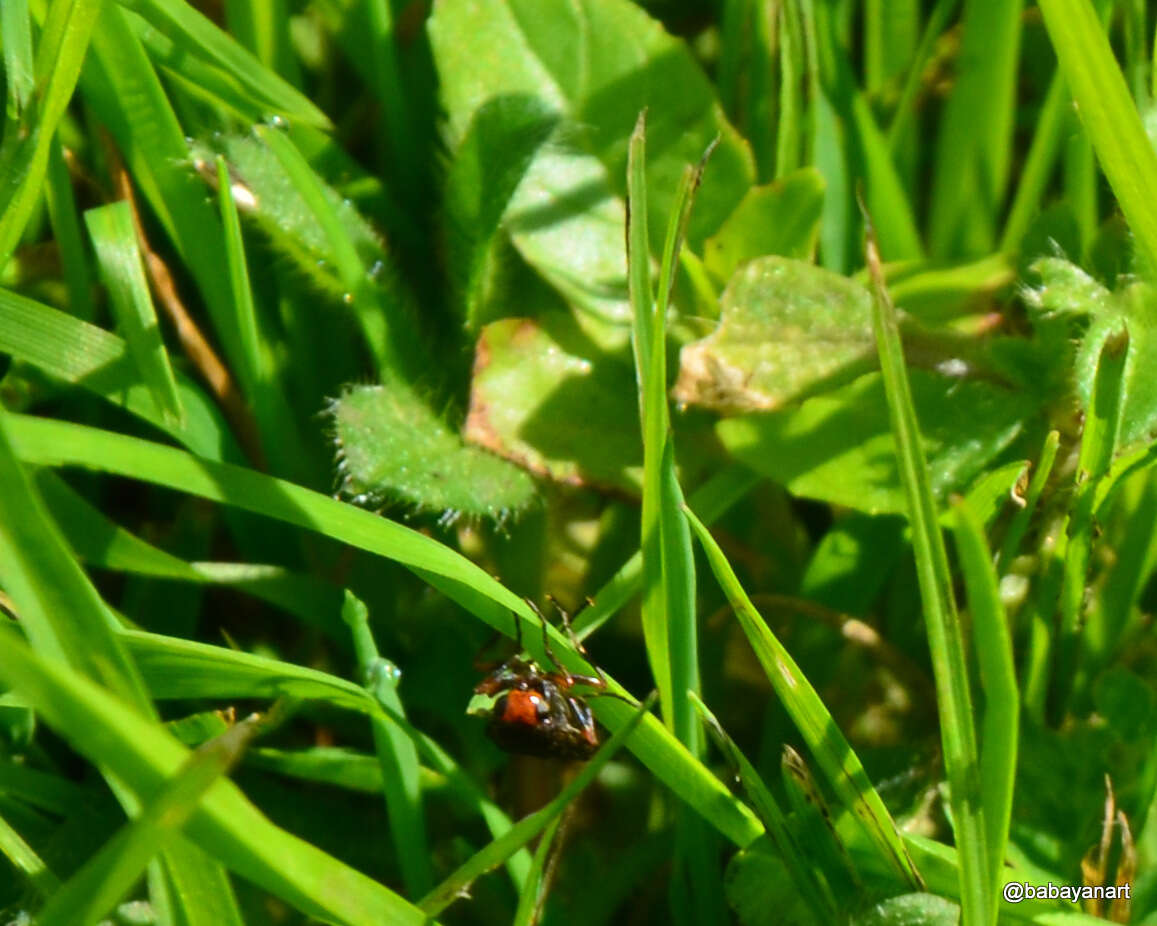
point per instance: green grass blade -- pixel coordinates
(653, 417)
(974, 150)
(773, 817)
(384, 326)
(945, 638)
(396, 753)
(19, 66)
(840, 764)
(529, 826)
(127, 97)
(109, 875)
(1000, 725)
(63, 614)
(532, 896)
(25, 860)
(94, 359)
(868, 158)
(56, 443)
(115, 242)
(250, 368)
(1098, 443)
(791, 131)
(906, 106)
(1109, 115)
(225, 824)
(24, 154)
(712, 499)
(176, 668)
(1039, 164)
(195, 36)
(74, 257)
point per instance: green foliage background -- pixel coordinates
(331, 331)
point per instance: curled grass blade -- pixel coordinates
(841, 766)
(945, 638)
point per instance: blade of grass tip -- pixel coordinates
(1098, 443)
(772, 816)
(654, 604)
(1108, 113)
(992, 643)
(63, 43)
(696, 887)
(109, 875)
(678, 563)
(1019, 524)
(396, 753)
(838, 761)
(945, 637)
(115, 242)
(529, 826)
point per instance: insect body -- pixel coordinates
(540, 713)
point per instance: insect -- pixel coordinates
(538, 712)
